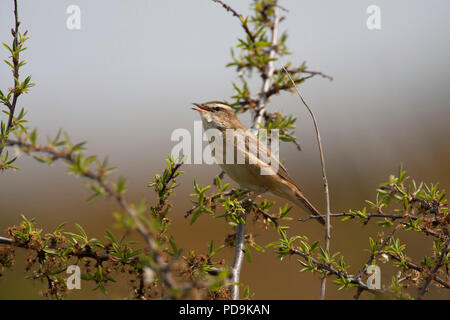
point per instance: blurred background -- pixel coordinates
(126, 79)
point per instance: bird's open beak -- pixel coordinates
(200, 108)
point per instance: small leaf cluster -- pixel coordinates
(165, 184)
(284, 124)
(10, 97)
(15, 64)
(313, 258)
(417, 207)
(54, 252)
(234, 206)
(255, 53)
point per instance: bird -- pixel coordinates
(222, 117)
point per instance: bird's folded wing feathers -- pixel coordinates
(263, 161)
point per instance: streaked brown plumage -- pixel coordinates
(220, 116)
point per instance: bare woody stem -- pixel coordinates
(237, 15)
(324, 177)
(85, 253)
(268, 72)
(6, 241)
(390, 216)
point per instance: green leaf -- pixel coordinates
(81, 231)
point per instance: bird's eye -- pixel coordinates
(216, 108)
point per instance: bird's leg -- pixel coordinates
(254, 194)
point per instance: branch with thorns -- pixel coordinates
(70, 157)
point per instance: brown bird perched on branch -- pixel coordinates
(249, 173)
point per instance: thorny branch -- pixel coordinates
(15, 62)
(347, 214)
(252, 206)
(420, 269)
(330, 269)
(241, 18)
(258, 105)
(239, 242)
(267, 90)
(275, 88)
(368, 216)
(372, 258)
(443, 253)
(163, 269)
(81, 254)
(239, 253)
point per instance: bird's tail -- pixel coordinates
(301, 201)
(292, 193)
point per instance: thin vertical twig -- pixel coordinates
(268, 72)
(15, 64)
(239, 253)
(325, 180)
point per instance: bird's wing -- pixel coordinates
(262, 149)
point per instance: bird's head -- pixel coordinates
(217, 115)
